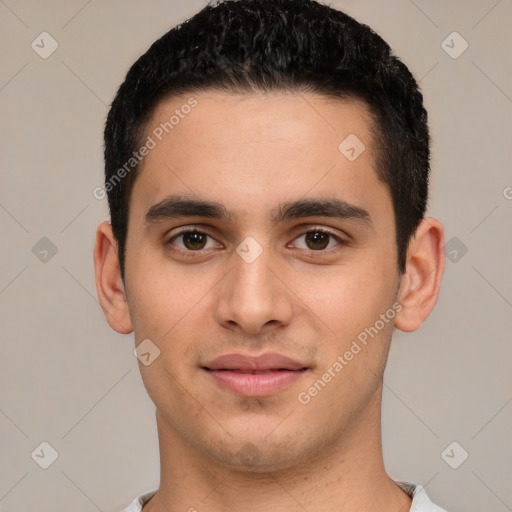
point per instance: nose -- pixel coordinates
(253, 296)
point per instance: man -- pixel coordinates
(267, 169)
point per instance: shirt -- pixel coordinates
(420, 500)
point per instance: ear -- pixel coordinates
(109, 284)
(421, 282)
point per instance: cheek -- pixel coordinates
(350, 298)
(164, 298)
(172, 308)
(168, 311)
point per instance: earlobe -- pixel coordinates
(421, 282)
(109, 284)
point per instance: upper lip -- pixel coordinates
(266, 361)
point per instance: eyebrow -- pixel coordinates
(176, 206)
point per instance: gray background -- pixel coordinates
(69, 380)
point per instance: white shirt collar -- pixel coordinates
(420, 501)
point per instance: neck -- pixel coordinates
(348, 476)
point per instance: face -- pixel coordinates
(273, 318)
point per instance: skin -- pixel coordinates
(220, 451)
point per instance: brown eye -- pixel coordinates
(317, 240)
(194, 240)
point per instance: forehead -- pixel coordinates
(254, 149)
(217, 117)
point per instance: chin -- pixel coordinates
(259, 455)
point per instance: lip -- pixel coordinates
(266, 361)
(254, 376)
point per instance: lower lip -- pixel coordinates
(255, 384)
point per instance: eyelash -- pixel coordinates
(319, 252)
